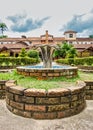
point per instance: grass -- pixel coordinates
(30, 82)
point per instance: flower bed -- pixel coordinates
(42, 104)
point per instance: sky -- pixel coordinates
(34, 17)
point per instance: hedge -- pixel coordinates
(13, 61)
(76, 61)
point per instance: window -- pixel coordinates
(71, 35)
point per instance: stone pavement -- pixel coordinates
(82, 121)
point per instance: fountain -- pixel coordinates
(42, 104)
(47, 70)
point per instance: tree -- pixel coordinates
(90, 36)
(72, 53)
(3, 27)
(23, 52)
(65, 50)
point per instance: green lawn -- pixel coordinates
(30, 82)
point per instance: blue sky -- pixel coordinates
(33, 17)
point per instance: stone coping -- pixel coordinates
(42, 104)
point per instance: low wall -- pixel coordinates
(2, 89)
(8, 67)
(86, 68)
(42, 104)
(89, 90)
(48, 73)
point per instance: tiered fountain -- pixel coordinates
(47, 70)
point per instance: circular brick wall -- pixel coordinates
(49, 72)
(42, 104)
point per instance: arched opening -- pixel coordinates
(11, 54)
(16, 55)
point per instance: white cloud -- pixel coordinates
(60, 11)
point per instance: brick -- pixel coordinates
(60, 114)
(22, 113)
(35, 108)
(17, 90)
(81, 95)
(78, 109)
(3, 82)
(17, 105)
(88, 97)
(58, 92)
(9, 107)
(89, 92)
(18, 112)
(35, 92)
(0, 86)
(50, 74)
(47, 100)
(24, 99)
(61, 107)
(89, 83)
(9, 95)
(91, 87)
(77, 103)
(2, 93)
(7, 101)
(27, 114)
(10, 83)
(63, 114)
(51, 115)
(87, 87)
(76, 90)
(44, 74)
(56, 74)
(65, 99)
(74, 97)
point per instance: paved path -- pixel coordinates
(82, 121)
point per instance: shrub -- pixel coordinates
(17, 61)
(33, 54)
(4, 55)
(23, 53)
(76, 61)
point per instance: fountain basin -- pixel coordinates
(44, 73)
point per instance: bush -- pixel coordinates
(23, 53)
(17, 61)
(4, 55)
(76, 61)
(33, 54)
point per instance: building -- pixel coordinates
(13, 46)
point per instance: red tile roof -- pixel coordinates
(82, 46)
(10, 46)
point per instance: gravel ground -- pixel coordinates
(82, 121)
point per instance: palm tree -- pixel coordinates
(3, 27)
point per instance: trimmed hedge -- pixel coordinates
(13, 61)
(76, 61)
